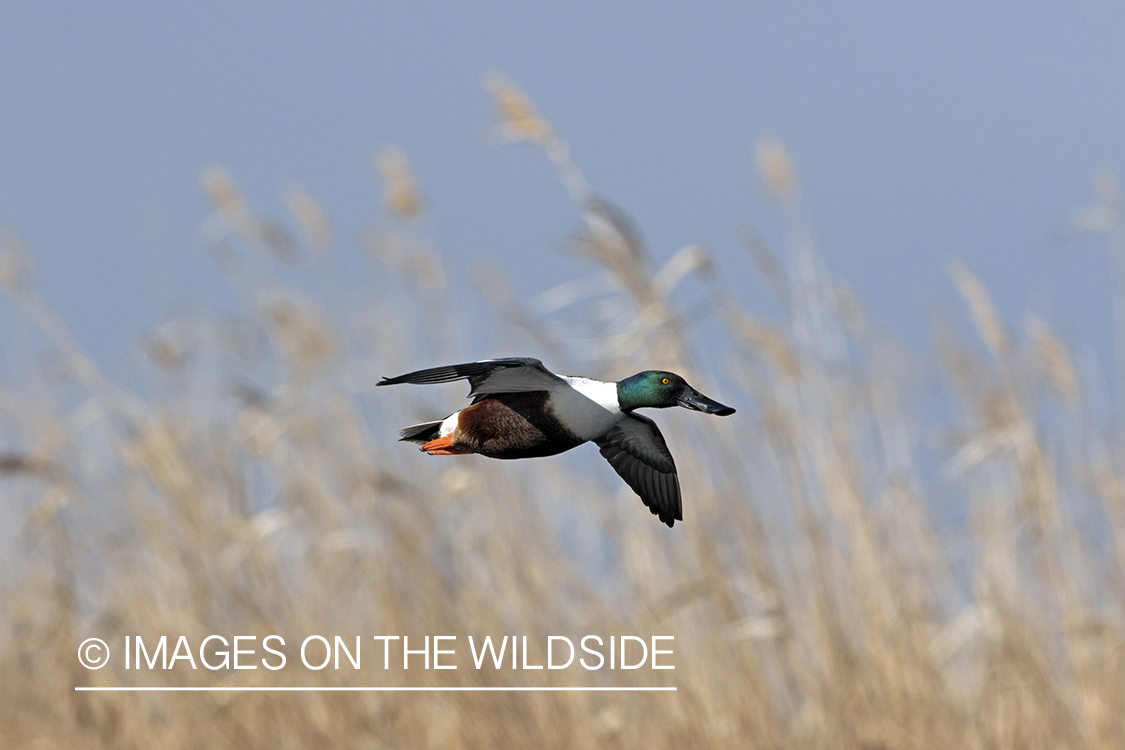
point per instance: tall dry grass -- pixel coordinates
(828, 588)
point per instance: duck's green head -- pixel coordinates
(657, 389)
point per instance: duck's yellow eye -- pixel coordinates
(665, 381)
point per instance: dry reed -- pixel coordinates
(823, 590)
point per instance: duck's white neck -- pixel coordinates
(588, 408)
(602, 393)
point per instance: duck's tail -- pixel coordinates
(421, 433)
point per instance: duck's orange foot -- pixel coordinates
(443, 446)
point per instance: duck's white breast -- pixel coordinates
(586, 407)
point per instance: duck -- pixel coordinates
(520, 409)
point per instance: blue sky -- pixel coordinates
(921, 132)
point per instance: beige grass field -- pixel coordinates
(822, 591)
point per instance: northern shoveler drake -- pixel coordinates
(521, 409)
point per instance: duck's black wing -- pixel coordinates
(636, 450)
(514, 375)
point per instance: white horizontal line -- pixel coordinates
(376, 689)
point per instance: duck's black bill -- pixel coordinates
(693, 399)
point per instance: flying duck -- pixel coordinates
(521, 409)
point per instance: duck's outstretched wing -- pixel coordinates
(636, 450)
(514, 375)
